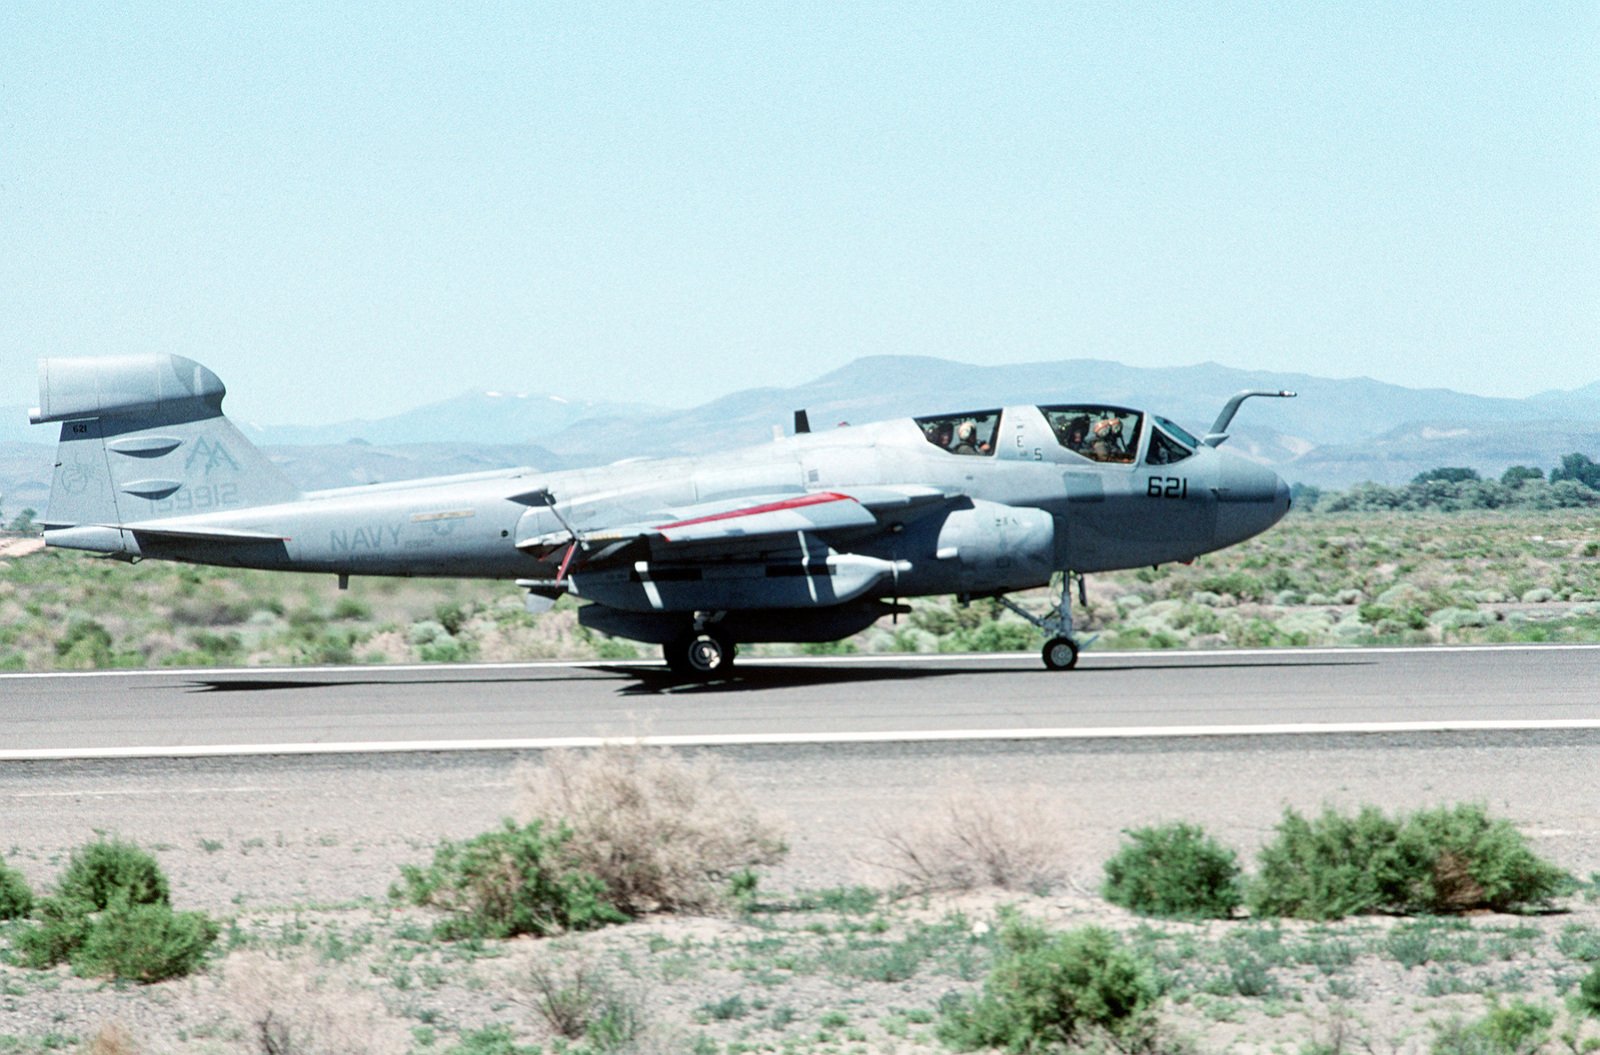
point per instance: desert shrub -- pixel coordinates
(59, 931)
(144, 943)
(1455, 859)
(349, 608)
(290, 1007)
(1586, 1000)
(16, 898)
(1174, 870)
(112, 1038)
(581, 1002)
(661, 833)
(1443, 860)
(514, 880)
(1517, 1028)
(975, 837)
(110, 871)
(1325, 868)
(451, 616)
(1056, 990)
(491, 1040)
(86, 644)
(110, 917)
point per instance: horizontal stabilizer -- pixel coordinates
(113, 538)
(205, 534)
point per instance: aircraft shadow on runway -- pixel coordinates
(651, 680)
(288, 683)
(657, 680)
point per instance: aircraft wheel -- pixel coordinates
(703, 655)
(1060, 653)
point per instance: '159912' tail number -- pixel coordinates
(1168, 487)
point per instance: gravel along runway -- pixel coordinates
(273, 787)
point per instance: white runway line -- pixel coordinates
(779, 739)
(884, 658)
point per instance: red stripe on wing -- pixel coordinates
(818, 498)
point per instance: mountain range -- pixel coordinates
(1336, 433)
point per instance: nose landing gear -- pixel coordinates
(1061, 651)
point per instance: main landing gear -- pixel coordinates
(705, 653)
(1061, 651)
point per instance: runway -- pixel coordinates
(107, 714)
(837, 747)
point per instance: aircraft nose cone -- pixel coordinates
(1251, 499)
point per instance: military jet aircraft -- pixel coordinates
(811, 537)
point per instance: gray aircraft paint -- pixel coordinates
(148, 467)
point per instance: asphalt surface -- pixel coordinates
(796, 699)
(281, 826)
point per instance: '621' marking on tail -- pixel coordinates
(198, 499)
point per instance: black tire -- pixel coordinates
(676, 655)
(703, 655)
(1060, 653)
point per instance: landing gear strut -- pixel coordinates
(701, 654)
(1061, 651)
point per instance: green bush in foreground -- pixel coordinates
(1587, 999)
(1456, 859)
(515, 880)
(1056, 990)
(1439, 861)
(1325, 868)
(110, 917)
(1174, 870)
(16, 898)
(1517, 1028)
(145, 943)
(106, 872)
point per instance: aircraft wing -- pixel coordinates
(749, 523)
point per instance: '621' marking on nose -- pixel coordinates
(1167, 487)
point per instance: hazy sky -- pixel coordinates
(346, 210)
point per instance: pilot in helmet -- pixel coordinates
(966, 439)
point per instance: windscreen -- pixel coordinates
(1099, 433)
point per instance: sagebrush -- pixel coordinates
(110, 916)
(1174, 870)
(663, 833)
(580, 1001)
(16, 897)
(1052, 991)
(513, 880)
(973, 837)
(1437, 861)
(290, 1007)
(1517, 1028)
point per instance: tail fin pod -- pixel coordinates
(143, 438)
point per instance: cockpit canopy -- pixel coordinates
(969, 433)
(1096, 431)
(1099, 433)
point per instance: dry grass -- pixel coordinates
(285, 1008)
(575, 997)
(970, 838)
(663, 833)
(112, 1038)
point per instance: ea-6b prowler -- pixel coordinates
(811, 537)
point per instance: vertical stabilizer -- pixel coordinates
(144, 438)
